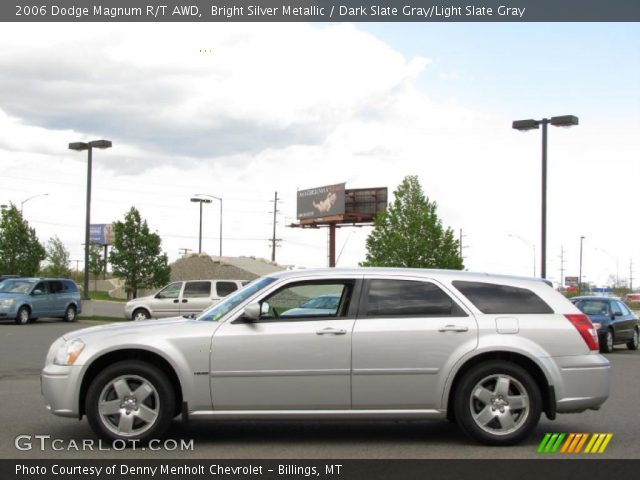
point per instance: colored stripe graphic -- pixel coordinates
(574, 443)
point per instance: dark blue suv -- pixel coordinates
(26, 299)
(615, 322)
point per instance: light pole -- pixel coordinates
(196, 199)
(533, 248)
(524, 125)
(30, 198)
(580, 273)
(200, 201)
(88, 146)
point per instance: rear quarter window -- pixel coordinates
(502, 299)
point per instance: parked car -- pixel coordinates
(488, 352)
(181, 298)
(26, 299)
(616, 324)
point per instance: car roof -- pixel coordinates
(420, 272)
(594, 297)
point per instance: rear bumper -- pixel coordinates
(584, 382)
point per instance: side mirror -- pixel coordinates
(617, 314)
(251, 312)
(37, 292)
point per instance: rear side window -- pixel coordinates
(197, 289)
(493, 298)
(394, 298)
(70, 286)
(225, 288)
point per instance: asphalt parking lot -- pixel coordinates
(22, 353)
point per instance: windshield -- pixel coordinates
(16, 286)
(219, 310)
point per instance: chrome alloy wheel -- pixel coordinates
(499, 404)
(129, 405)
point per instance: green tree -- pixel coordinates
(58, 258)
(96, 262)
(410, 234)
(20, 250)
(136, 255)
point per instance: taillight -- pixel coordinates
(585, 328)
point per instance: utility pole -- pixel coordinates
(184, 251)
(561, 266)
(631, 275)
(274, 241)
(460, 243)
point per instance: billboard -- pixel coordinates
(321, 202)
(571, 281)
(101, 233)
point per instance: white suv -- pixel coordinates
(490, 352)
(181, 299)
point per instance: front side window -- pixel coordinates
(55, 286)
(197, 289)
(615, 308)
(625, 310)
(220, 309)
(306, 300)
(41, 287)
(409, 298)
(502, 299)
(170, 291)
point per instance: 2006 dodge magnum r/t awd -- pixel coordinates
(490, 352)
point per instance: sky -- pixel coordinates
(240, 111)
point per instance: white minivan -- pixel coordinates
(181, 298)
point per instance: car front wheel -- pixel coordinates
(130, 400)
(633, 343)
(141, 314)
(497, 403)
(23, 316)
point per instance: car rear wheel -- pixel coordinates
(633, 343)
(23, 316)
(70, 314)
(130, 400)
(497, 403)
(607, 345)
(141, 314)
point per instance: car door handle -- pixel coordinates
(331, 331)
(185, 301)
(175, 301)
(453, 328)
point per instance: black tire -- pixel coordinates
(496, 422)
(635, 340)
(119, 384)
(70, 314)
(606, 346)
(140, 314)
(23, 316)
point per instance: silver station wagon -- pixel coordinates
(488, 352)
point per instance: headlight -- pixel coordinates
(10, 302)
(68, 352)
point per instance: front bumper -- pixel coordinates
(60, 387)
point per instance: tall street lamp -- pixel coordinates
(200, 201)
(533, 249)
(580, 273)
(220, 200)
(88, 146)
(524, 125)
(30, 198)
